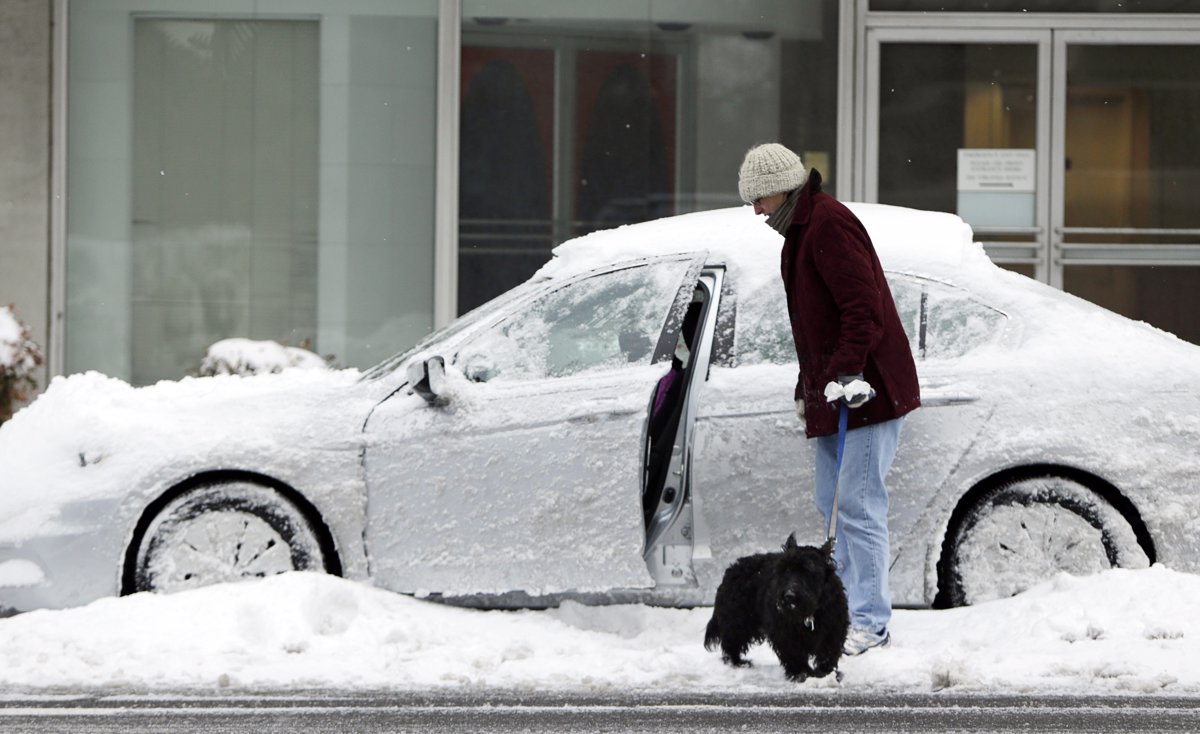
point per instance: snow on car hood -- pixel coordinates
(91, 437)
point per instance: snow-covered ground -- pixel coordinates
(1117, 632)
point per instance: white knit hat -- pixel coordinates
(769, 169)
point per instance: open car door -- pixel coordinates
(527, 478)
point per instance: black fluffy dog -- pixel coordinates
(793, 599)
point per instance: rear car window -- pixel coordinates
(941, 320)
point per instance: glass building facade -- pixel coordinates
(348, 175)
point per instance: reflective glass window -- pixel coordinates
(938, 98)
(1039, 6)
(1167, 297)
(243, 175)
(578, 116)
(1132, 229)
(1132, 158)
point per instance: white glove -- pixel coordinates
(852, 388)
(800, 408)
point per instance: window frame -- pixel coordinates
(923, 282)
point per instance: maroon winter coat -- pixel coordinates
(844, 320)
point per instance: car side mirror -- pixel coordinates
(427, 378)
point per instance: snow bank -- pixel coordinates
(10, 337)
(1115, 632)
(18, 355)
(249, 357)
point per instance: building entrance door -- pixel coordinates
(964, 126)
(1069, 151)
(1126, 228)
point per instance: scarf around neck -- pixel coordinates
(782, 218)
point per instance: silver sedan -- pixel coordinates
(619, 429)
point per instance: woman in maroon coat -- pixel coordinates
(852, 348)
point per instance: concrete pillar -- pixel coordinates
(25, 63)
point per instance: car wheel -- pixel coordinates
(224, 532)
(1025, 531)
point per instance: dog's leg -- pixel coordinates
(824, 664)
(712, 634)
(795, 672)
(736, 633)
(734, 649)
(732, 643)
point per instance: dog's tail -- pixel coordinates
(712, 635)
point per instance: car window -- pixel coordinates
(597, 323)
(763, 329)
(942, 321)
(462, 323)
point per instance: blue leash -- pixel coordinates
(843, 421)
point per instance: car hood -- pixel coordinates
(90, 437)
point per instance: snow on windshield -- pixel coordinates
(602, 322)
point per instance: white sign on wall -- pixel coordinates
(999, 169)
(997, 186)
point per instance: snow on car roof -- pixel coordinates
(906, 239)
(937, 245)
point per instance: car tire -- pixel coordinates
(1025, 531)
(223, 532)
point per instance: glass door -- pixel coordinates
(1126, 228)
(962, 126)
(1070, 151)
(589, 137)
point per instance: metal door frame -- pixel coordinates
(1082, 253)
(1052, 33)
(1016, 251)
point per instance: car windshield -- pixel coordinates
(474, 316)
(604, 321)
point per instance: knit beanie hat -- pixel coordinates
(769, 169)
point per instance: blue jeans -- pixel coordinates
(862, 553)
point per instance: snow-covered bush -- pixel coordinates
(249, 357)
(19, 357)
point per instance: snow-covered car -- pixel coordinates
(618, 429)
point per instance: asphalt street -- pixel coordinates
(391, 711)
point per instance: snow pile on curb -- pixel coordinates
(1116, 632)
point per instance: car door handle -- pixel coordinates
(942, 398)
(594, 410)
